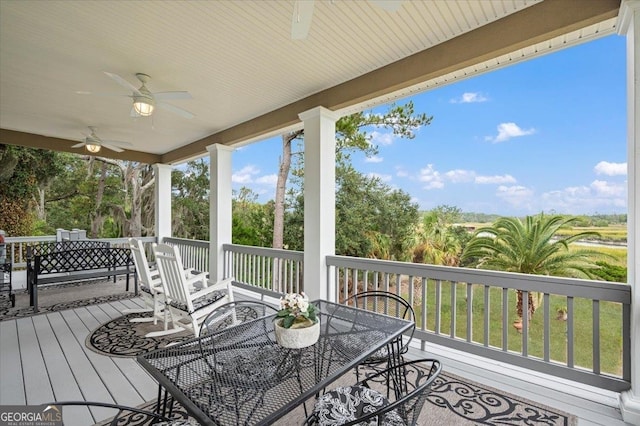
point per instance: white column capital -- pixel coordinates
(319, 111)
(625, 17)
(161, 166)
(219, 147)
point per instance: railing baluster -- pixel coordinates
(454, 310)
(505, 319)
(487, 311)
(570, 339)
(525, 323)
(438, 305)
(469, 312)
(596, 336)
(546, 334)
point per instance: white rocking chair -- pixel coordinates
(182, 302)
(150, 285)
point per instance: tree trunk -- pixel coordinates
(281, 187)
(520, 302)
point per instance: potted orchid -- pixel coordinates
(297, 324)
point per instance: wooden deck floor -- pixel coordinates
(44, 358)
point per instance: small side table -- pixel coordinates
(5, 281)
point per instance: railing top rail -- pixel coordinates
(264, 251)
(590, 289)
(42, 238)
(187, 242)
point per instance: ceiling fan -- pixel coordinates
(145, 101)
(303, 12)
(93, 143)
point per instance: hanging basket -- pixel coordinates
(296, 338)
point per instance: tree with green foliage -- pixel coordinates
(190, 200)
(437, 240)
(351, 135)
(23, 171)
(372, 219)
(531, 247)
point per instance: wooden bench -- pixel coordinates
(69, 264)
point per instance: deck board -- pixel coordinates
(117, 384)
(37, 388)
(60, 375)
(12, 389)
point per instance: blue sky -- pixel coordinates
(548, 134)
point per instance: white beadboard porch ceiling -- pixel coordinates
(236, 58)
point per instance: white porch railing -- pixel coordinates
(465, 309)
(473, 310)
(273, 270)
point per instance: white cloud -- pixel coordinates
(496, 179)
(603, 188)
(460, 176)
(431, 178)
(610, 169)
(385, 139)
(507, 131)
(599, 196)
(270, 180)
(245, 175)
(516, 195)
(383, 178)
(400, 172)
(468, 98)
(374, 159)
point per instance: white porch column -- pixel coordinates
(319, 200)
(162, 173)
(220, 216)
(629, 25)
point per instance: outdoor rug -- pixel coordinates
(64, 296)
(453, 400)
(122, 338)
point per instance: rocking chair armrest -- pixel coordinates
(204, 292)
(192, 279)
(220, 285)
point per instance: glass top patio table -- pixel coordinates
(241, 376)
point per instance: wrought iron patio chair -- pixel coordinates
(389, 304)
(365, 404)
(186, 307)
(150, 286)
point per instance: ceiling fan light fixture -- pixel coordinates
(93, 148)
(143, 106)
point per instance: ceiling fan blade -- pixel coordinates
(112, 147)
(115, 143)
(388, 5)
(165, 96)
(124, 83)
(78, 145)
(301, 19)
(183, 112)
(84, 92)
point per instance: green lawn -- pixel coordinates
(610, 325)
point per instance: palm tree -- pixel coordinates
(531, 247)
(435, 243)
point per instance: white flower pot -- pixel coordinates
(296, 338)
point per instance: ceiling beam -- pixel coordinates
(12, 137)
(537, 23)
